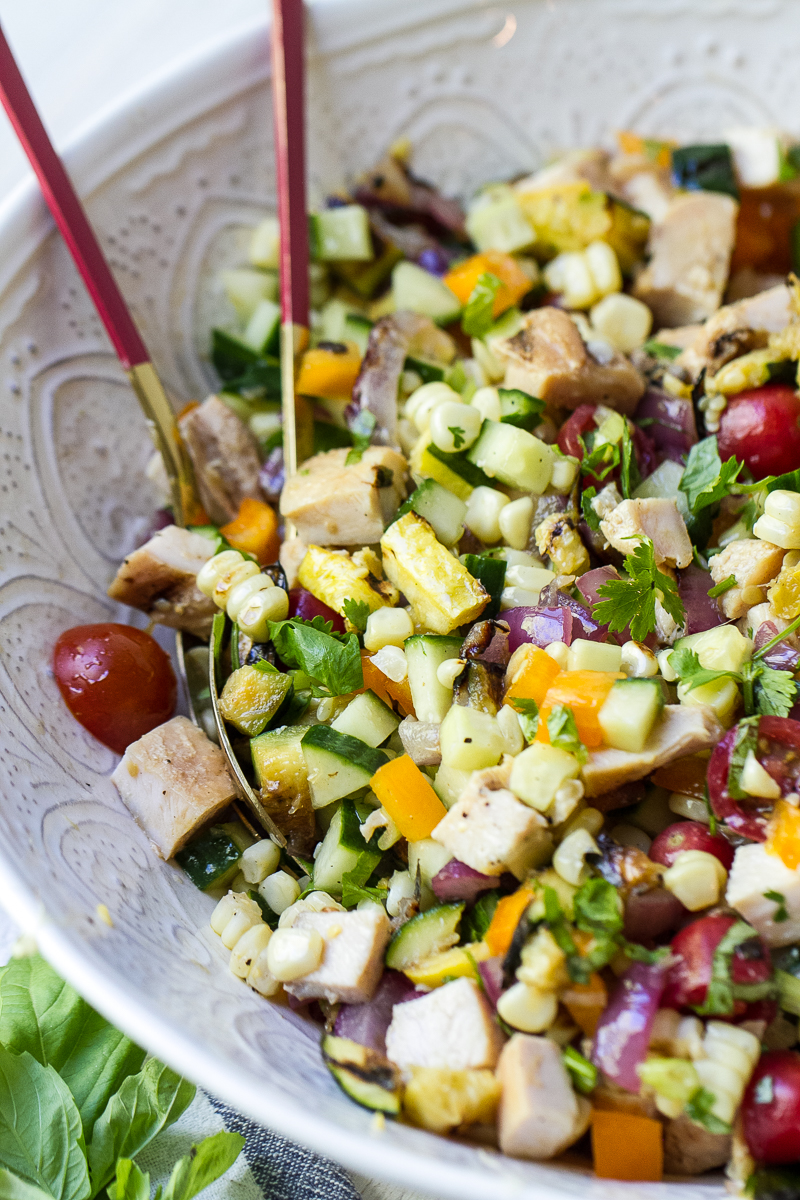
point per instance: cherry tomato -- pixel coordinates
(689, 835)
(779, 754)
(762, 428)
(302, 604)
(771, 1108)
(583, 422)
(689, 977)
(115, 680)
(576, 427)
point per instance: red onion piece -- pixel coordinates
(623, 1032)
(584, 624)
(539, 626)
(702, 612)
(375, 390)
(457, 881)
(589, 584)
(670, 424)
(648, 915)
(305, 606)
(271, 476)
(783, 657)
(367, 1023)
(491, 970)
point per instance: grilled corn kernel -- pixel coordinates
(487, 401)
(570, 275)
(454, 426)
(758, 782)
(622, 320)
(638, 661)
(259, 860)
(243, 592)
(425, 399)
(279, 890)
(293, 953)
(689, 807)
(210, 572)
(569, 858)
(387, 627)
(557, 538)
(543, 963)
(508, 721)
(401, 887)
(559, 652)
(244, 915)
(247, 949)
(483, 513)
(229, 579)
(392, 661)
(593, 656)
(747, 371)
(771, 529)
(565, 801)
(515, 522)
(603, 267)
(697, 879)
(448, 671)
(565, 469)
(590, 819)
(223, 912)
(259, 976)
(527, 1008)
(270, 604)
(784, 506)
(439, 1099)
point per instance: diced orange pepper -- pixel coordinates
(506, 918)
(384, 687)
(329, 373)
(536, 674)
(254, 530)
(659, 153)
(684, 775)
(625, 1146)
(514, 282)
(585, 1003)
(585, 692)
(783, 837)
(407, 796)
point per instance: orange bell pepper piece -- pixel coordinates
(534, 677)
(254, 529)
(783, 837)
(514, 283)
(329, 373)
(408, 798)
(585, 1002)
(585, 692)
(625, 1146)
(506, 918)
(384, 687)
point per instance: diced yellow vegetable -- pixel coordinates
(450, 964)
(784, 594)
(440, 1099)
(334, 577)
(424, 466)
(440, 590)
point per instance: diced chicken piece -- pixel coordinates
(549, 358)
(333, 504)
(655, 518)
(421, 741)
(737, 329)
(353, 960)
(690, 1150)
(681, 730)
(681, 336)
(754, 872)
(490, 830)
(539, 1115)
(451, 1027)
(650, 193)
(290, 556)
(440, 590)
(690, 252)
(173, 780)
(224, 456)
(753, 564)
(160, 579)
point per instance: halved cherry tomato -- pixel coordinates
(689, 977)
(115, 680)
(762, 428)
(689, 835)
(302, 604)
(582, 422)
(771, 1108)
(778, 751)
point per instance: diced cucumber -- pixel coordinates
(513, 456)
(279, 763)
(429, 372)
(461, 465)
(357, 328)
(585, 655)
(212, 859)
(425, 653)
(426, 857)
(519, 408)
(449, 784)
(337, 763)
(470, 739)
(341, 234)
(252, 696)
(262, 331)
(492, 574)
(631, 710)
(363, 1074)
(426, 934)
(419, 291)
(440, 508)
(340, 850)
(497, 222)
(265, 244)
(368, 718)
(662, 484)
(723, 648)
(246, 287)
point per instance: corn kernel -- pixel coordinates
(421, 404)
(483, 513)
(565, 469)
(638, 661)
(260, 860)
(279, 890)
(771, 529)
(515, 522)
(569, 858)
(594, 656)
(603, 268)
(508, 721)
(527, 1008)
(543, 963)
(784, 594)
(246, 913)
(391, 660)
(758, 782)
(689, 807)
(242, 592)
(590, 819)
(293, 953)
(210, 572)
(259, 976)
(387, 627)
(487, 402)
(230, 578)
(401, 887)
(623, 320)
(454, 426)
(269, 604)
(448, 671)
(559, 652)
(223, 912)
(247, 949)
(696, 878)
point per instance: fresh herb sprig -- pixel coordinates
(632, 601)
(333, 660)
(478, 316)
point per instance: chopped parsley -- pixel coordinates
(781, 912)
(458, 435)
(362, 428)
(632, 601)
(745, 741)
(332, 660)
(357, 613)
(591, 518)
(765, 690)
(629, 473)
(706, 479)
(699, 1109)
(564, 732)
(722, 991)
(659, 349)
(478, 316)
(600, 460)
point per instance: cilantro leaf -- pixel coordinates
(698, 1109)
(706, 479)
(357, 613)
(720, 588)
(632, 601)
(478, 918)
(686, 665)
(458, 435)
(591, 518)
(333, 660)
(598, 908)
(775, 691)
(564, 732)
(722, 991)
(781, 912)
(661, 350)
(746, 740)
(600, 460)
(528, 711)
(582, 1072)
(478, 316)
(362, 427)
(629, 474)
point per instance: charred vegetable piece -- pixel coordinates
(252, 696)
(426, 934)
(363, 1074)
(705, 168)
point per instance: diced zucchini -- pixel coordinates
(723, 648)
(424, 466)
(497, 222)
(449, 784)
(519, 408)
(340, 850)
(450, 964)
(263, 328)
(492, 574)
(426, 934)
(265, 244)
(337, 763)
(340, 322)
(461, 465)
(425, 653)
(440, 508)
(662, 484)
(368, 718)
(363, 1074)
(341, 234)
(279, 764)
(539, 772)
(429, 372)
(513, 456)
(246, 288)
(631, 710)
(419, 291)
(252, 696)
(470, 739)
(357, 328)
(585, 655)
(212, 859)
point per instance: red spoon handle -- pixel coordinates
(288, 91)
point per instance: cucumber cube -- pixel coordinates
(246, 288)
(539, 772)
(440, 508)
(261, 333)
(368, 718)
(723, 648)
(449, 784)
(513, 456)
(419, 291)
(341, 234)
(470, 740)
(265, 244)
(425, 653)
(337, 764)
(720, 694)
(499, 223)
(631, 710)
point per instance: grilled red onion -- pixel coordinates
(271, 477)
(421, 741)
(457, 881)
(539, 626)
(650, 914)
(783, 656)
(367, 1023)
(702, 611)
(670, 423)
(623, 1032)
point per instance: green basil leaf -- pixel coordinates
(746, 740)
(130, 1182)
(478, 315)
(204, 1164)
(14, 1188)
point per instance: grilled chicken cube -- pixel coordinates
(754, 874)
(737, 329)
(440, 590)
(451, 1027)
(173, 780)
(539, 1115)
(690, 252)
(549, 358)
(753, 564)
(224, 456)
(352, 964)
(655, 518)
(334, 577)
(160, 579)
(490, 830)
(333, 504)
(681, 730)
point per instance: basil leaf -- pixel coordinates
(478, 918)
(564, 732)
(721, 992)
(130, 1182)
(707, 480)
(204, 1164)
(698, 1109)
(478, 316)
(598, 907)
(40, 1128)
(746, 740)
(333, 660)
(14, 1188)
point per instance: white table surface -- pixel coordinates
(80, 56)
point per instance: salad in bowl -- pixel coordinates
(509, 662)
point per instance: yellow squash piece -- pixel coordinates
(440, 1099)
(450, 964)
(784, 595)
(568, 216)
(334, 577)
(424, 465)
(441, 592)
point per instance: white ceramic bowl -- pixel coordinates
(171, 179)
